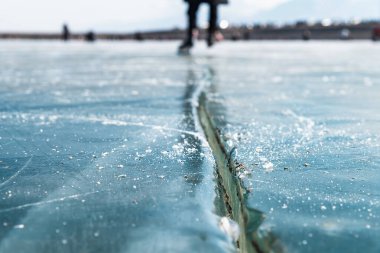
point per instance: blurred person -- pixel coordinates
(90, 36)
(65, 32)
(376, 33)
(213, 33)
(306, 35)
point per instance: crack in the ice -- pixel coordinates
(16, 174)
(40, 203)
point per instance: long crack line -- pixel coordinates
(234, 199)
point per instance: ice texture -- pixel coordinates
(99, 151)
(305, 120)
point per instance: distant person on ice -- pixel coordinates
(213, 33)
(65, 32)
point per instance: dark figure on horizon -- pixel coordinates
(65, 32)
(90, 36)
(306, 35)
(192, 21)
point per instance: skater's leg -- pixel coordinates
(212, 23)
(192, 14)
(192, 24)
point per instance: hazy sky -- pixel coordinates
(132, 15)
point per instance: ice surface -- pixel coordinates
(305, 120)
(99, 151)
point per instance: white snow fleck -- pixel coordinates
(268, 166)
(19, 226)
(230, 227)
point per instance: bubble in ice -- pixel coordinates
(323, 208)
(19, 226)
(121, 176)
(120, 166)
(64, 241)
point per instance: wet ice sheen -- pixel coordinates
(305, 120)
(99, 151)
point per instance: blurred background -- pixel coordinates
(116, 17)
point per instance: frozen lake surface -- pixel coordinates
(306, 123)
(100, 149)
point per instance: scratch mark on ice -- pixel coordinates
(40, 203)
(16, 174)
